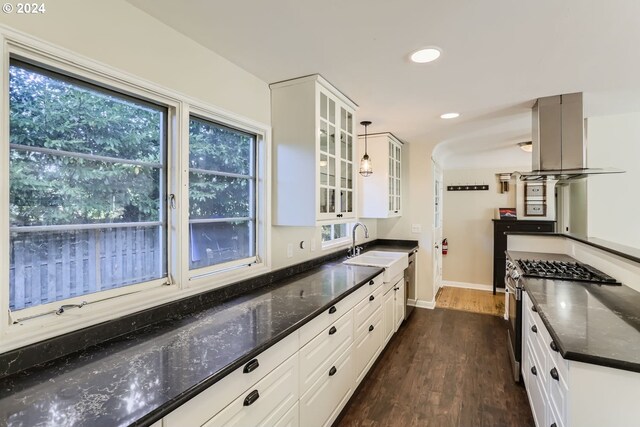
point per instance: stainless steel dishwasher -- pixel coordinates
(410, 284)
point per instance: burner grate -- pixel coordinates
(564, 270)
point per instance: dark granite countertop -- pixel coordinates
(590, 323)
(138, 378)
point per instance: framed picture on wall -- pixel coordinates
(507, 213)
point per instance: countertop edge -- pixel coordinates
(163, 410)
(578, 356)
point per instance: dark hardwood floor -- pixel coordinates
(443, 368)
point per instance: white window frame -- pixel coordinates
(231, 269)
(335, 243)
(114, 303)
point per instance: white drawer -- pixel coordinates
(536, 394)
(368, 344)
(212, 400)
(554, 419)
(557, 393)
(266, 403)
(317, 356)
(366, 308)
(330, 315)
(325, 399)
(535, 339)
(555, 359)
(290, 419)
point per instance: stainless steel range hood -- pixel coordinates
(559, 149)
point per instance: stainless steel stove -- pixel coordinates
(564, 270)
(567, 270)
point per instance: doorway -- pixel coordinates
(437, 228)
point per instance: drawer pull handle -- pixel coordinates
(370, 328)
(251, 365)
(251, 398)
(534, 329)
(371, 282)
(332, 371)
(333, 330)
(553, 346)
(371, 298)
(534, 371)
(534, 309)
(554, 374)
(333, 309)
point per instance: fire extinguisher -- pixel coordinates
(445, 247)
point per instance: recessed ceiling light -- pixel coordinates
(425, 55)
(449, 115)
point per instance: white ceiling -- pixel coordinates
(498, 57)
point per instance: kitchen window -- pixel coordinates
(87, 194)
(120, 195)
(335, 234)
(222, 195)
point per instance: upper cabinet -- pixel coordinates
(314, 153)
(381, 192)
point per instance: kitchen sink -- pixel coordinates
(393, 263)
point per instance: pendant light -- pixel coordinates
(366, 168)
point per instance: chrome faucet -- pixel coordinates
(355, 250)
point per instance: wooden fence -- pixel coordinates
(54, 265)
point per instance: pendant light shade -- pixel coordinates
(366, 168)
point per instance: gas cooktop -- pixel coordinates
(564, 270)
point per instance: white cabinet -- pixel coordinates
(205, 405)
(266, 403)
(566, 393)
(389, 319)
(399, 303)
(317, 356)
(307, 378)
(314, 163)
(369, 344)
(380, 194)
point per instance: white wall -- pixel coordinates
(613, 202)
(417, 187)
(120, 35)
(468, 226)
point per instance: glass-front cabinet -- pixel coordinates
(314, 153)
(380, 194)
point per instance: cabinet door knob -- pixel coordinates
(553, 346)
(554, 425)
(332, 371)
(251, 365)
(534, 309)
(534, 329)
(554, 374)
(333, 309)
(251, 398)
(333, 330)
(371, 298)
(371, 282)
(370, 328)
(534, 371)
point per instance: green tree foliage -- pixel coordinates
(215, 148)
(55, 113)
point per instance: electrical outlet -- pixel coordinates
(290, 250)
(416, 228)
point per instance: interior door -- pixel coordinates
(437, 228)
